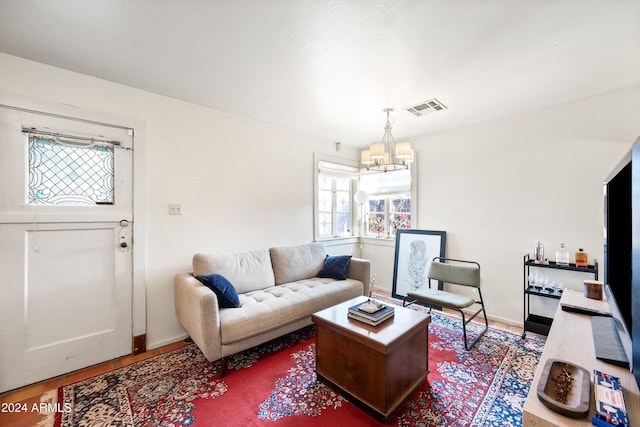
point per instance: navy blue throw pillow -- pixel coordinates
(227, 295)
(335, 267)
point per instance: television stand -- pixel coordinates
(607, 342)
(570, 339)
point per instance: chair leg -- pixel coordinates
(468, 346)
(466, 321)
(406, 302)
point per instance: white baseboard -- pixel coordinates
(157, 344)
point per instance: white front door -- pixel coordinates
(65, 245)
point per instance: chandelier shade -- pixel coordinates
(387, 155)
(365, 158)
(403, 150)
(377, 151)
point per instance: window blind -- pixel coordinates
(392, 182)
(337, 170)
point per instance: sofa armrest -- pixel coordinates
(360, 269)
(198, 313)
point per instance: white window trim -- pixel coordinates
(357, 214)
(349, 164)
(414, 206)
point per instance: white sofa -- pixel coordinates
(278, 292)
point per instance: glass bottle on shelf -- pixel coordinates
(562, 255)
(582, 258)
(538, 252)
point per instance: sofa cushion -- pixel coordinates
(291, 263)
(248, 271)
(335, 267)
(224, 290)
(271, 308)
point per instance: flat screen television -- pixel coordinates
(622, 253)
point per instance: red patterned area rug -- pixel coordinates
(275, 385)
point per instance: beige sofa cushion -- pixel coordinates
(267, 309)
(292, 263)
(247, 271)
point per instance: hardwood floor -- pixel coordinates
(26, 397)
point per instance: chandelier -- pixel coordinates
(387, 155)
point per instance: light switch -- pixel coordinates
(175, 208)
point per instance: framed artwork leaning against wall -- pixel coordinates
(415, 249)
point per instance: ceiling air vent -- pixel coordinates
(426, 107)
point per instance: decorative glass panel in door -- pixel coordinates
(67, 174)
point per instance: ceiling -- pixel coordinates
(329, 67)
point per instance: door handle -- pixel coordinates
(124, 235)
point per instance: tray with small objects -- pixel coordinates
(565, 388)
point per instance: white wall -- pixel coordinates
(495, 187)
(243, 184)
(498, 186)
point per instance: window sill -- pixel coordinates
(382, 241)
(339, 240)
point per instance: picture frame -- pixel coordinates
(415, 249)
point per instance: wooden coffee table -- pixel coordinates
(376, 367)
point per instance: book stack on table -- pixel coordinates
(371, 312)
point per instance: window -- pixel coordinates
(335, 183)
(64, 174)
(376, 216)
(386, 214)
(334, 196)
(389, 207)
(400, 212)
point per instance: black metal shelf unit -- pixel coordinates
(542, 324)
